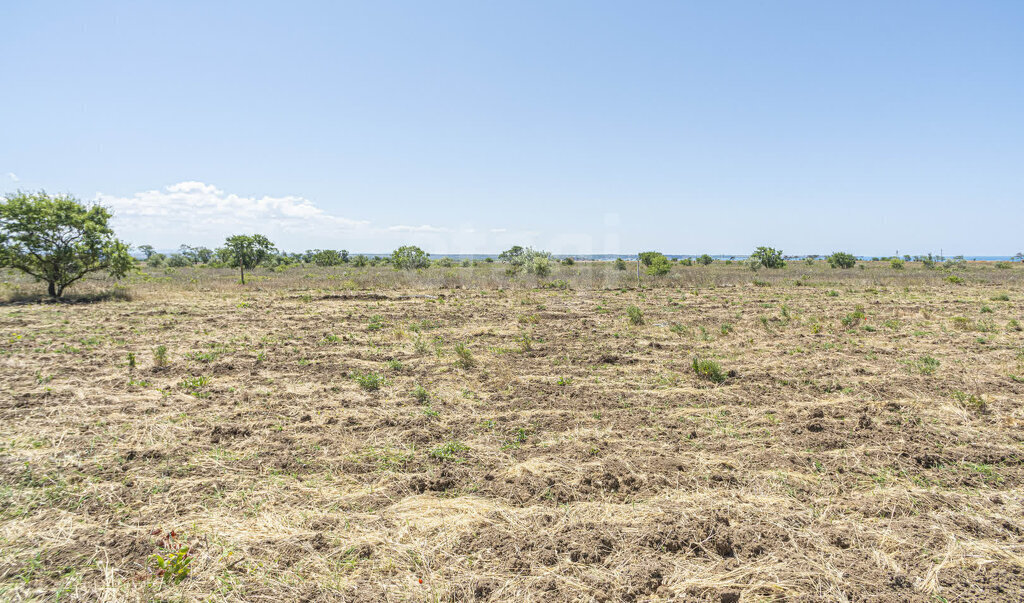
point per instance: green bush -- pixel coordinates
(409, 257)
(465, 357)
(660, 266)
(767, 257)
(896, 263)
(709, 370)
(705, 260)
(648, 257)
(620, 264)
(841, 259)
(369, 381)
(568, 261)
(636, 317)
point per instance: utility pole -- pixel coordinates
(638, 270)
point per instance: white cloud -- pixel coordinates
(203, 214)
(197, 213)
(13, 177)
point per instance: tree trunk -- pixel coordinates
(51, 288)
(242, 268)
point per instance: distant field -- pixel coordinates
(458, 434)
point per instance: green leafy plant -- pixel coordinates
(636, 316)
(420, 394)
(449, 451)
(160, 356)
(59, 240)
(246, 252)
(173, 562)
(193, 386)
(708, 369)
(841, 259)
(620, 264)
(767, 257)
(369, 381)
(926, 365)
(970, 402)
(409, 257)
(464, 356)
(896, 263)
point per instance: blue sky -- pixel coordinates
(579, 127)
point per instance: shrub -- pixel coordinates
(160, 356)
(659, 267)
(369, 381)
(657, 264)
(956, 280)
(854, 318)
(568, 261)
(685, 262)
(841, 259)
(1001, 297)
(767, 257)
(896, 263)
(445, 262)
(465, 357)
(648, 257)
(178, 261)
(705, 260)
(620, 264)
(409, 257)
(1003, 265)
(636, 317)
(708, 369)
(541, 266)
(360, 261)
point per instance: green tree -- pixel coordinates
(659, 266)
(515, 256)
(532, 260)
(245, 252)
(327, 257)
(409, 257)
(705, 260)
(647, 258)
(842, 259)
(620, 264)
(147, 250)
(59, 240)
(767, 257)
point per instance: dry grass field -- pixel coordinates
(456, 435)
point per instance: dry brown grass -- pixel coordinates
(584, 461)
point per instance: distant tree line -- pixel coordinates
(59, 240)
